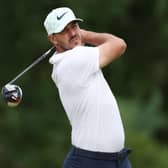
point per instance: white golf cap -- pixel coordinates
(58, 19)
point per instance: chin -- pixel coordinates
(75, 44)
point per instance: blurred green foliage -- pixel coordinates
(36, 134)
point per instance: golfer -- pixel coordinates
(97, 131)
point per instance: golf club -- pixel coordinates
(11, 93)
(50, 51)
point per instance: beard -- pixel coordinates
(69, 44)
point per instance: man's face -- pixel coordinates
(69, 38)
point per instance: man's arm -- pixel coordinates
(110, 46)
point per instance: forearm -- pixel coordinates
(93, 38)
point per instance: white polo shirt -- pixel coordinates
(88, 100)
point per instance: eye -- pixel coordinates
(64, 31)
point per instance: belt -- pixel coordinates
(102, 155)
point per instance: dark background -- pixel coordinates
(36, 134)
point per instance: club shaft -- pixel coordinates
(51, 50)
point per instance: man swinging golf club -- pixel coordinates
(97, 131)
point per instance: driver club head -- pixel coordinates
(12, 94)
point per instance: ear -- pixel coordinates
(52, 39)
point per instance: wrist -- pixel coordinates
(94, 38)
(83, 36)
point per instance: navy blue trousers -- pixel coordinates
(78, 158)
